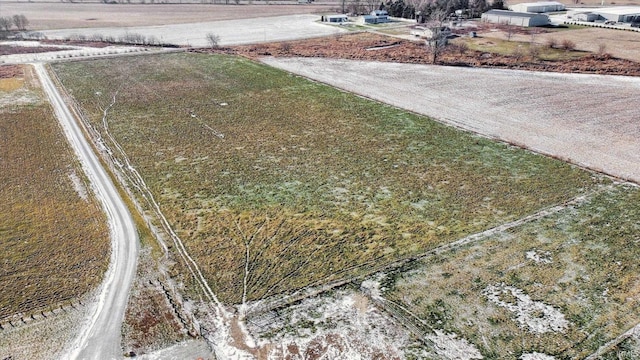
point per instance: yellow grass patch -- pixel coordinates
(11, 84)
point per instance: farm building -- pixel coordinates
(515, 18)
(619, 14)
(584, 16)
(382, 15)
(538, 7)
(335, 18)
(376, 17)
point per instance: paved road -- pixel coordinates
(589, 120)
(100, 336)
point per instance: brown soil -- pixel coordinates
(376, 47)
(9, 50)
(11, 71)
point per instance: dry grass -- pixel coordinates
(306, 183)
(581, 261)
(619, 43)
(53, 238)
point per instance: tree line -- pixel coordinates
(422, 10)
(8, 22)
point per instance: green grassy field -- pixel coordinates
(54, 242)
(277, 182)
(563, 285)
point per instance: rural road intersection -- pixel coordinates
(588, 120)
(100, 335)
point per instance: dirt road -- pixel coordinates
(589, 120)
(100, 335)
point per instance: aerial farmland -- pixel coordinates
(275, 195)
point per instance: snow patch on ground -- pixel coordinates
(191, 349)
(541, 257)
(372, 286)
(78, 186)
(536, 356)
(340, 325)
(18, 97)
(536, 316)
(454, 348)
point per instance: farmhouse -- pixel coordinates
(382, 15)
(538, 7)
(515, 18)
(375, 17)
(428, 33)
(335, 18)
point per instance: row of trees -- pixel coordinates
(423, 9)
(8, 22)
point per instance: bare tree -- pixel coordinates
(21, 22)
(213, 39)
(602, 50)
(437, 40)
(6, 23)
(533, 33)
(372, 4)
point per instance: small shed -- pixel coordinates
(335, 18)
(538, 7)
(515, 18)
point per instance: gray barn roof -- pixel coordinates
(512, 13)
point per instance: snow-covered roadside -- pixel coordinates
(337, 325)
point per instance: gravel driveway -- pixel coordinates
(589, 120)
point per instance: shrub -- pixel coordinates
(551, 43)
(602, 50)
(534, 52)
(568, 45)
(214, 40)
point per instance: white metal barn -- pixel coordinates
(335, 18)
(515, 18)
(538, 7)
(620, 13)
(585, 16)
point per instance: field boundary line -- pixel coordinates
(265, 305)
(614, 342)
(129, 171)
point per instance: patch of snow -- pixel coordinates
(78, 186)
(538, 317)
(372, 286)
(536, 356)
(339, 326)
(454, 348)
(541, 257)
